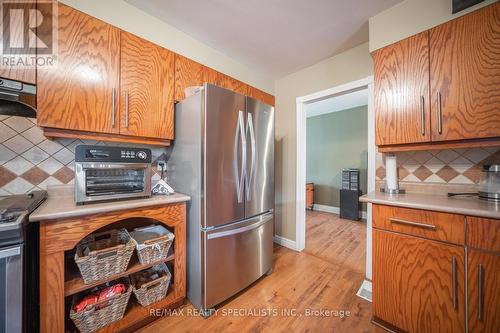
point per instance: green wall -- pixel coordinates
(334, 141)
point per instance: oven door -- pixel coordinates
(11, 289)
(107, 181)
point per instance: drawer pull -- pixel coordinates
(480, 293)
(414, 224)
(454, 281)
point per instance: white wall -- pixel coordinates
(351, 65)
(129, 18)
(411, 17)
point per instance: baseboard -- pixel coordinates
(332, 209)
(285, 242)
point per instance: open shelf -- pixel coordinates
(74, 283)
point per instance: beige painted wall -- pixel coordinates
(411, 17)
(348, 66)
(127, 17)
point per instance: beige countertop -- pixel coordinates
(471, 206)
(60, 203)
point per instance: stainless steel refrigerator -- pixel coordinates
(223, 157)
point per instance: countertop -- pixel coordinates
(60, 204)
(471, 206)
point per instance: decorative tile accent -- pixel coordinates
(35, 175)
(6, 176)
(29, 161)
(380, 173)
(449, 166)
(422, 173)
(64, 175)
(447, 173)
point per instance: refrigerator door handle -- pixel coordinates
(252, 162)
(262, 220)
(240, 183)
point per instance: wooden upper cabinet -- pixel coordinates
(261, 95)
(190, 73)
(414, 284)
(146, 89)
(77, 94)
(484, 297)
(402, 91)
(232, 84)
(16, 31)
(465, 72)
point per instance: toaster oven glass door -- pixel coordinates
(113, 181)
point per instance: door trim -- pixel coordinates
(300, 180)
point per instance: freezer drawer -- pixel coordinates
(236, 256)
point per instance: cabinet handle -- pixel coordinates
(440, 113)
(422, 114)
(480, 292)
(113, 93)
(126, 108)
(454, 281)
(414, 224)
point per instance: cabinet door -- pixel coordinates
(147, 89)
(465, 76)
(418, 284)
(188, 73)
(77, 94)
(232, 84)
(16, 31)
(261, 95)
(484, 295)
(402, 91)
(211, 76)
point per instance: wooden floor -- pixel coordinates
(336, 240)
(321, 278)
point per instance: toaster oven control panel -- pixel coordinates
(87, 153)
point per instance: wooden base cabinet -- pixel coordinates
(60, 280)
(418, 284)
(483, 291)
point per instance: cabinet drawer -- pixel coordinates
(483, 233)
(422, 223)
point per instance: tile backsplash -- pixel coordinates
(449, 166)
(29, 161)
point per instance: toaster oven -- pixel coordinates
(111, 173)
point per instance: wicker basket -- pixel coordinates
(154, 290)
(153, 243)
(110, 253)
(101, 314)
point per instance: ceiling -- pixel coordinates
(277, 37)
(337, 103)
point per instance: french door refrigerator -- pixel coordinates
(223, 157)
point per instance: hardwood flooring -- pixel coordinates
(336, 240)
(291, 298)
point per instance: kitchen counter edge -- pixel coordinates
(440, 203)
(63, 206)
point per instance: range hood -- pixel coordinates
(17, 98)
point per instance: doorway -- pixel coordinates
(303, 103)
